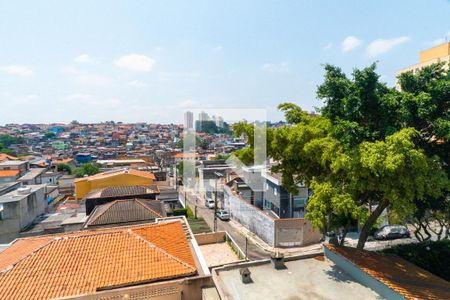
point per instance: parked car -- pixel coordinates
(390, 232)
(223, 215)
(209, 203)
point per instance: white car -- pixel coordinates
(209, 203)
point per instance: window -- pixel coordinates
(1, 211)
(267, 204)
(275, 191)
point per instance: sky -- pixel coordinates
(148, 61)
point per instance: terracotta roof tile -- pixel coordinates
(9, 173)
(84, 262)
(406, 278)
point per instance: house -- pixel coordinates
(257, 200)
(34, 176)
(122, 177)
(11, 170)
(125, 212)
(112, 193)
(281, 203)
(19, 208)
(342, 273)
(160, 261)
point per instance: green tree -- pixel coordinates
(363, 154)
(62, 167)
(87, 169)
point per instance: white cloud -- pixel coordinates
(351, 42)
(135, 62)
(137, 83)
(381, 46)
(327, 46)
(187, 103)
(84, 58)
(218, 48)
(278, 67)
(18, 70)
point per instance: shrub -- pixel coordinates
(180, 212)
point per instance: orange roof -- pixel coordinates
(84, 262)
(187, 155)
(62, 161)
(118, 172)
(9, 173)
(405, 278)
(4, 156)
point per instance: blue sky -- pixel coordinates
(150, 60)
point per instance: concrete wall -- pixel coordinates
(249, 216)
(210, 238)
(295, 232)
(84, 186)
(19, 214)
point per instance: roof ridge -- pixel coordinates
(131, 232)
(109, 205)
(11, 266)
(147, 207)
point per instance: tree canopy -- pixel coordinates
(372, 148)
(87, 169)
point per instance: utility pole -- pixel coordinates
(218, 175)
(246, 247)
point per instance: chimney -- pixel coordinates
(245, 275)
(277, 259)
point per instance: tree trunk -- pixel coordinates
(365, 230)
(342, 241)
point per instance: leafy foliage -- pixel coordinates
(88, 169)
(62, 167)
(372, 148)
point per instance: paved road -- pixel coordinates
(253, 251)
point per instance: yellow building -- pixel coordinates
(123, 177)
(440, 53)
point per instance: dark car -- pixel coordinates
(390, 232)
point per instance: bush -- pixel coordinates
(187, 212)
(429, 255)
(180, 212)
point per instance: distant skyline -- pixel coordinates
(149, 61)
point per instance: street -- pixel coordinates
(253, 251)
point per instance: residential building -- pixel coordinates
(427, 57)
(257, 200)
(122, 177)
(160, 261)
(281, 203)
(10, 170)
(112, 193)
(19, 208)
(34, 176)
(125, 212)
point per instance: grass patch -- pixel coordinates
(432, 256)
(198, 225)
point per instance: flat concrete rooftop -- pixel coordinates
(310, 278)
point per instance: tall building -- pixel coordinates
(188, 120)
(440, 53)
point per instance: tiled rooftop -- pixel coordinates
(405, 278)
(85, 262)
(125, 211)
